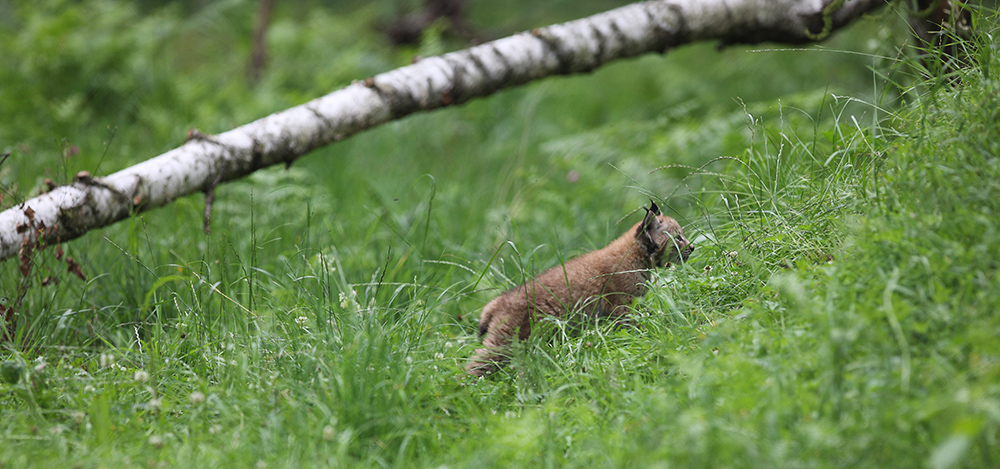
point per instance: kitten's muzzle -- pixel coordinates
(684, 247)
(686, 252)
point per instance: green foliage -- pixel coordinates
(838, 309)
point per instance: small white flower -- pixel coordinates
(732, 254)
(156, 441)
(408, 360)
(107, 359)
(448, 344)
(439, 356)
(155, 403)
(141, 376)
(301, 321)
(215, 429)
(329, 433)
(197, 397)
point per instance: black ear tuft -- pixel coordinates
(653, 208)
(643, 233)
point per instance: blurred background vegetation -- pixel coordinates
(101, 85)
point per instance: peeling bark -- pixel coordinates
(574, 47)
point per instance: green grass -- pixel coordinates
(839, 309)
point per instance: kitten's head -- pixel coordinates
(662, 238)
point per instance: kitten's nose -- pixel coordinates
(686, 249)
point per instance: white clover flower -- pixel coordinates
(156, 441)
(329, 433)
(197, 397)
(107, 359)
(141, 376)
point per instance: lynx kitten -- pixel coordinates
(602, 283)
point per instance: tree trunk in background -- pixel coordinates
(259, 55)
(939, 27)
(409, 28)
(574, 47)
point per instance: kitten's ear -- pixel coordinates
(653, 208)
(648, 225)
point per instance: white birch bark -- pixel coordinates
(574, 47)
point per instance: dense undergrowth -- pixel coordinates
(839, 309)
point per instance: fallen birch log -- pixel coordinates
(579, 46)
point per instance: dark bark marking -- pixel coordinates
(256, 155)
(508, 72)
(138, 195)
(456, 92)
(479, 65)
(329, 126)
(602, 39)
(427, 100)
(565, 60)
(665, 38)
(401, 103)
(89, 182)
